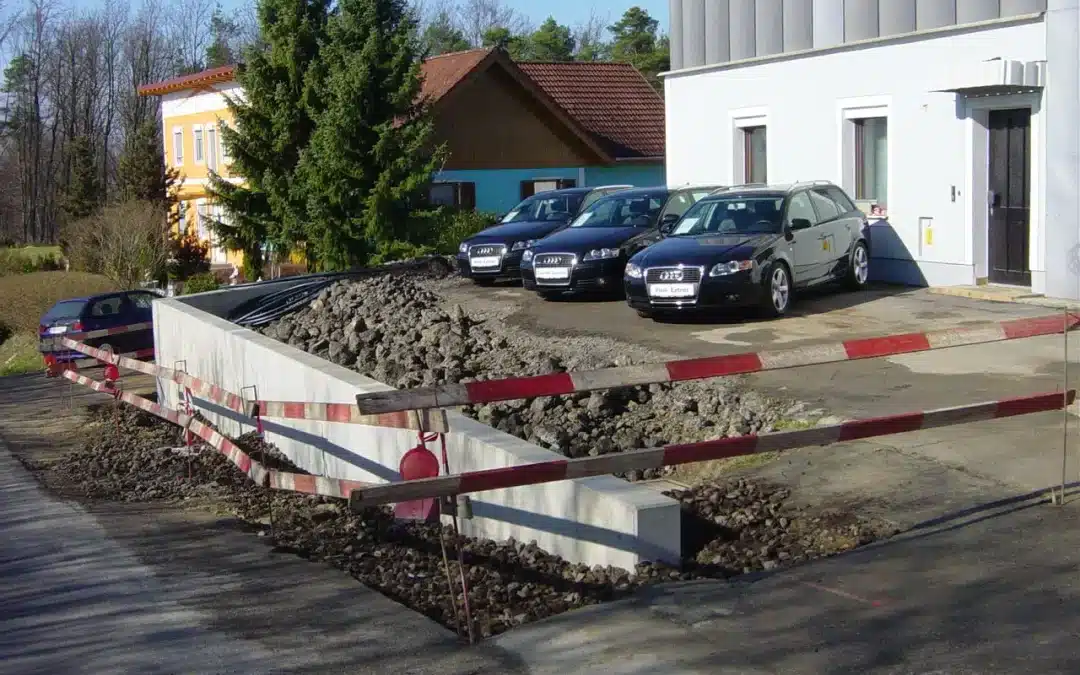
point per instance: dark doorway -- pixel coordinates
(1009, 178)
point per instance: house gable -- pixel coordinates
(492, 120)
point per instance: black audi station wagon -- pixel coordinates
(752, 246)
(590, 254)
(495, 253)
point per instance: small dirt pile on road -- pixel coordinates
(729, 529)
(395, 330)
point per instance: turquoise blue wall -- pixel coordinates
(499, 190)
(638, 175)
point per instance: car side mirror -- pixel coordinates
(667, 223)
(799, 224)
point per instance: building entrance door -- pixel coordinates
(1009, 184)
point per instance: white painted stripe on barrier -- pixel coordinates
(966, 336)
(627, 376)
(803, 356)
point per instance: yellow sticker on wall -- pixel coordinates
(929, 236)
(824, 244)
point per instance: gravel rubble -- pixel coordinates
(729, 529)
(396, 330)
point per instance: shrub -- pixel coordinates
(454, 226)
(389, 251)
(201, 283)
(187, 256)
(126, 242)
(5, 332)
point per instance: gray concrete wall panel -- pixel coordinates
(742, 18)
(828, 23)
(717, 31)
(693, 22)
(675, 33)
(934, 13)
(896, 17)
(860, 20)
(970, 11)
(769, 26)
(798, 21)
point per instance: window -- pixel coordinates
(197, 133)
(531, 187)
(799, 206)
(539, 207)
(616, 211)
(460, 195)
(871, 160)
(142, 300)
(107, 306)
(202, 220)
(841, 199)
(826, 208)
(211, 148)
(226, 158)
(178, 146)
(732, 215)
(755, 169)
(181, 215)
(678, 204)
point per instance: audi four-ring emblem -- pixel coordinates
(487, 250)
(671, 275)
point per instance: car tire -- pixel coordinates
(776, 291)
(858, 270)
(481, 281)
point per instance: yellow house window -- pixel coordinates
(197, 133)
(178, 146)
(211, 148)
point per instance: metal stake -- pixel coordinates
(1065, 407)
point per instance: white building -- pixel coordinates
(958, 120)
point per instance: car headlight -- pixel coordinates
(518, 245)
(527, 256)
(601, 254)
(725, 268)
(634, 271)
(463, 247)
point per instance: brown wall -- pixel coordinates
(492, 122)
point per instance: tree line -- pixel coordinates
(332, 143)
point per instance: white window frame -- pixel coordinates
(212, 144)
(198, 150)
(226, 158)
(202, 212)
(178, 148)
(742, 120)
(851, 111)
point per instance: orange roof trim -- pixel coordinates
(193, 81)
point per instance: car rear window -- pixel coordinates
(107, 306)
(65, 310)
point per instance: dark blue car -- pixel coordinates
(97, 312)
(495, 253)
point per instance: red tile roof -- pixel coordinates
(613, 101)
(193, 81)
(442, 73)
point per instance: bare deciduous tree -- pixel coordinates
(126, 242)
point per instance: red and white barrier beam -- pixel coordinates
(50, 341)
(347, 413)
(567, 469)
(214, 439)
(557, 384)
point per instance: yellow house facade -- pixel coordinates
(193, 110)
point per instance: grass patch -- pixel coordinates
(19, 354)
(28, 259)
(714, 470)
(25, 297)
(34, 253)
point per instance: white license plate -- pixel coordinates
(552, 272)
(56, 330)
(486, 261)
(671, 290)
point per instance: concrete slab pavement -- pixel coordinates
(992, 591)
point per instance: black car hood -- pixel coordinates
(582, 239)
(704, 249)
(508, 233)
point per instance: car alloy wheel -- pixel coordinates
(779, 289)
(862, 264)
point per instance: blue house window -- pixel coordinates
(531, 187)
(458, 195)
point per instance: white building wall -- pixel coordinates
(932, 137)
(187, 102)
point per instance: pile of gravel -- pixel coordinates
(395, 330)
(728, 529)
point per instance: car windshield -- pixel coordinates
(639, 210)
(732, 215)
(545, 207)
(65, 310)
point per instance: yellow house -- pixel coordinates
(193, 108)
